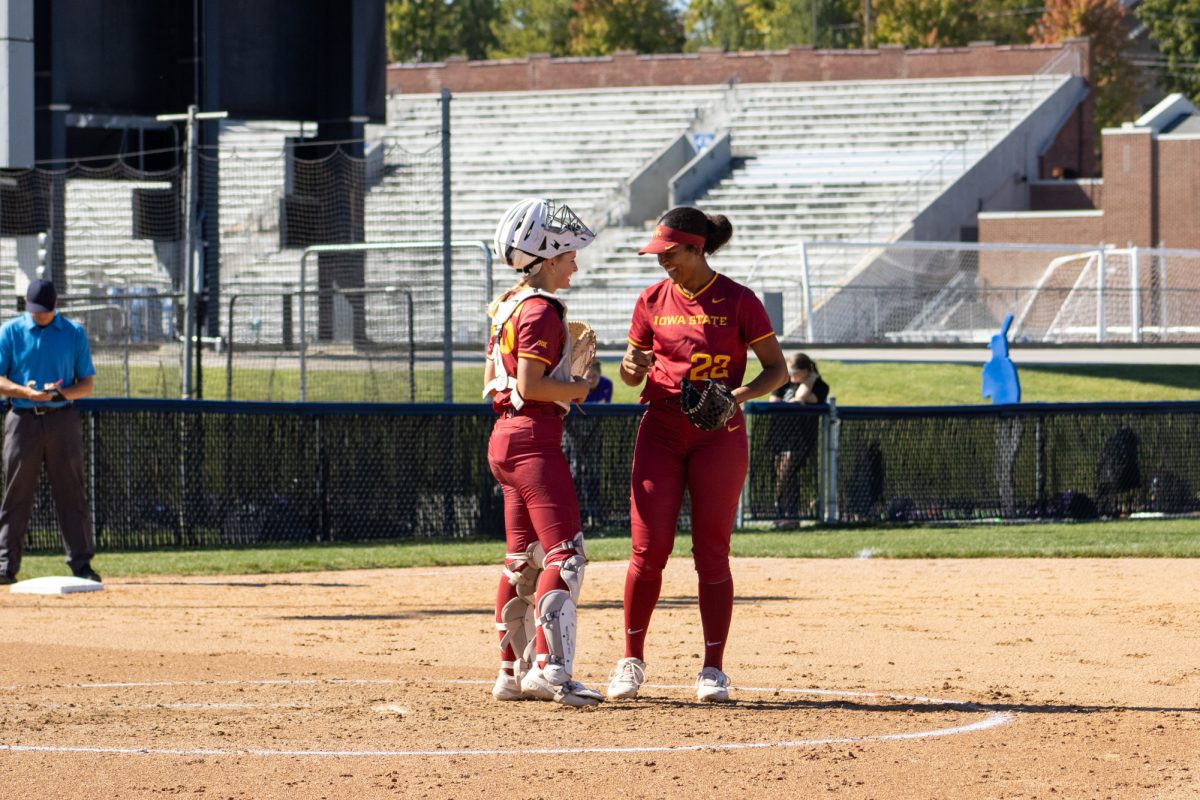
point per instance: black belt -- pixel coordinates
(38, 411)
(536, 411)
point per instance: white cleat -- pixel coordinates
(712, 686)
(576, 695)
(626, 678)
(535, 686)
(507, 687)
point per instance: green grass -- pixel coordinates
(863, 384)
(853, 384)
(1178, 538)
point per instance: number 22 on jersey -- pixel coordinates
(709, 366)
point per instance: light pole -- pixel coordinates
(190, 278)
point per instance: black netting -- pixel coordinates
(1062, 461)
(785, 440)
(186, 474)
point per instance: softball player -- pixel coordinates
(528, 379)
(696, 324)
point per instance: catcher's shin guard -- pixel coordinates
(522, 569)
(557, 612)
(517, 617)
(519, 630)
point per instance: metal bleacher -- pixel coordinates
(828, 160)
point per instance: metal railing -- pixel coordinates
(447, 332)
(859, 292)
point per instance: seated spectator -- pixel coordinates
(793, 438)
(600, 388)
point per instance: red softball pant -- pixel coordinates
(670, 455)
(526, 456)
(540, 505)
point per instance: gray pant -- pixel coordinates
(56, 440)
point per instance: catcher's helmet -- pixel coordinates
(534, 230)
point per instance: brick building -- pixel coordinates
(1149, 195)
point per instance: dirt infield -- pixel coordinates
(853, 679)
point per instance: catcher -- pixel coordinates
(534, 370)
(688, 341)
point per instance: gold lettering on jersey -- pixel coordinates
(690, 319)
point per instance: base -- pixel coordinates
(56, 584)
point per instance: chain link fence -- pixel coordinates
(166, 474)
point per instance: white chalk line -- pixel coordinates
(409, 572)
(992, 720)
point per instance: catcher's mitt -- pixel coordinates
(583, 347)
(708, 405)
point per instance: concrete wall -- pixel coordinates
(711, 67)
(649, 190)
(704, 170)
(1013, 160)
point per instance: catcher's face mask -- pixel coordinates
(532, 231)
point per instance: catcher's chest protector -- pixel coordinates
(561, 371)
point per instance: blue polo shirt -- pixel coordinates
(57, 352)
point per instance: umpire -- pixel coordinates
(45, 363)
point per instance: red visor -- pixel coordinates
(667, 238)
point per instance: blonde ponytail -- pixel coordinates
(494, 306)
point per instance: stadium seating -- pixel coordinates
(810, 160)
(820, 161)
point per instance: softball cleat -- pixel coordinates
(507, 687)
(626, 678)
(712, 686)
(535, 686)
(576, 695)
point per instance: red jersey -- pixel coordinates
(697, 336)
(534, 331)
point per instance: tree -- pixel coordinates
(758, 24)
(1115, 80)
(1175, 27)
(1005, 21)
(525, 27)
(420, 30)
(925, 23)
(476, 39)
(431, 30)
(728, 24)
(601, 27)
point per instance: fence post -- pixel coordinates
(303, 334)
(806, 291)
(412, 348)
(126, 316)
(92, 473)
(1135, 297)
(1101, 274)
(229, 353)
(447, 317)
(829, 491)
(1164, 293)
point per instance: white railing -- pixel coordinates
(859, 292)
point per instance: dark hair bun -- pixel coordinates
(720, 231)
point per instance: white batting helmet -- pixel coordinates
(534, 230)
